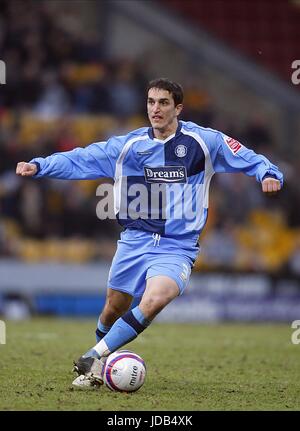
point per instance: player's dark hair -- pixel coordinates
(172, 87)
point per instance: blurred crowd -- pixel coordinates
(56, 67)
(62, 93)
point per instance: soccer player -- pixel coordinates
(169, 167)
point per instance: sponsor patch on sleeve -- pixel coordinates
(233, 144)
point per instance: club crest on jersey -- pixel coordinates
(181, 150)
(233, 144)
(165, 174)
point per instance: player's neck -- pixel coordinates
(165, 132)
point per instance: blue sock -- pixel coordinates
(125, 329)
(101, 330)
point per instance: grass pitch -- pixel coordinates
(189, 367)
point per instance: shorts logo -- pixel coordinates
(165, 174)
(181, 150)
(233, 144)
(185, 272)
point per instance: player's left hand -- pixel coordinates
(270, 186)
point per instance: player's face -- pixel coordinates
(162, 111)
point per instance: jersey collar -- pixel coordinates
(163, 141)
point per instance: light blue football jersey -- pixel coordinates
(160, 186)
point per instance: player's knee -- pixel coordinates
(152, 305)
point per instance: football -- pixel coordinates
(124, 371)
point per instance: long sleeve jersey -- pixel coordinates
(160, 186)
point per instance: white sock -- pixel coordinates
(101, 348)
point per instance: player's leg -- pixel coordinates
(116, 304)
(127, 273)
(160, 290)
(166, 278)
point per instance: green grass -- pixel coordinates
(189, 367)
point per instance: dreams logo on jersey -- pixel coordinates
(165, 174)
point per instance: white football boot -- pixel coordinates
(85, 382)
(90, 372)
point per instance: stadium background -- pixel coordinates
(75, 74)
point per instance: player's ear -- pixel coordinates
(179, 108)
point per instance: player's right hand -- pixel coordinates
(26, 169)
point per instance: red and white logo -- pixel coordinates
(233, 144)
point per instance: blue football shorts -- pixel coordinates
(140, 256)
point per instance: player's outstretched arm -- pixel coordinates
(270, 185)
(92, 162)
(232, 156)
(25, 169)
